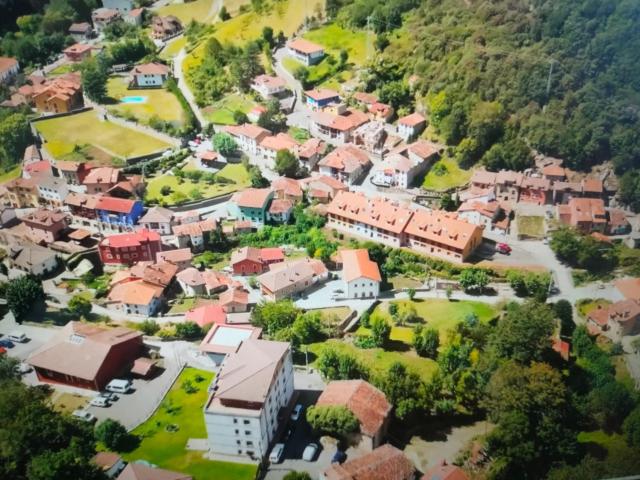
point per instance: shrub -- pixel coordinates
(149, 327)
(336, 421)
(113, 434)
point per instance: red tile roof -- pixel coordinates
(207, 315)
(356, 264)
(319, 94)
(384, 463)
(154, 68)
(445, 472)
(252, 197)
(305, 46)
(346, 158)
(412, 120)
(7, 63)
(366, 402)
(131, 239)
(441, 227)
(114, 204)
(629, 288)
(273, 254)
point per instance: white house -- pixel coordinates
(121, 6)
(134, 17)
(402, 166)
(150, 75)
(158, 219)
(248, 137)
(194, 235)
(32, 259)
(361, 276)
(253, 385)
(271, 145)
(9, 68)
(52, 190)
(411, 126)
(305, 51)
(486, 214)
(280, 210)
(268, 86)
(137, 297)
(346, 163)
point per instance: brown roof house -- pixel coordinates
(45, 226)
(137, 471)
(347, 163)
(251, 204)
(164, 28)
(618, 319)
(366, 402)
(445, 472)
(586, 214)
(110, 463)
(285, 279)
(383, 463)
(149, 75)
(60, 95)
(86, 356)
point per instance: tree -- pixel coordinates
(630, 189)
(426, 341)
(380, 330)
(188, 330)
(15, 136)
(240, 117)
(63, 464)
(273, 119)
(404, 390)
(113, 434)
(564, 312)
(396, 94)
(94, 80)
(149, 327)
(274, 316)
(307, 328)
(631, 427)
(80, 306)
(336, 421)
(267, 36)
(165, 190)
(224, 14)
(473, 279)
(22, 294)
(224, 144)
(297, 476)
(610, 403)
(287, 164)
(336, 365)
(411, 293)
(532, 413)
(524, 332)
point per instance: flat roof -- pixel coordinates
(229, 336)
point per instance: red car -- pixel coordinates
(3, 350)
(503, 248)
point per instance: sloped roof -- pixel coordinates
(366, 402)
(135, 293)
(133, 239)
(175, 256)
(207, 314)
(412, 120)
(157, 215)
(305, 46)
(115, 204)
(441, 227)
(356, 264)
(252, 197)
(384, 463)
(136, 471)
(347, 158)
(445, 472)
(154, 68)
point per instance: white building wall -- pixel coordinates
(362, 288)
(163, 228)
(366, 231)
(46, 266)
(119, 5)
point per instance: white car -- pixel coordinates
(297, 410)
(310, 452)
(276, 453)
(84, 416)
(99, 401)
(23, 368)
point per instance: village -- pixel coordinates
(246, 290)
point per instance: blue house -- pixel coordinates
(319, 98)
(119, 211)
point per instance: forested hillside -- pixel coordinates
(559, 76)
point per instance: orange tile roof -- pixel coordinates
(207, 315)
(77, 48)
(554, 171)
(441, 227)
(130, 239)
(252, 197)
(288, 186)
(349, 120)
(135, 293)
(280, 206)
(347, 158)
(305, 46)
(377, 212)
(247, 130)
(592, 185)
(281, 141)
(384, 463)
(195, 229)
(366, 98)
(356, 264)
(629, 288)
(234, 295)
(412, 120)
(319, 94)
(445, 472)
(270, 81)
(153, 68)
(7, 63)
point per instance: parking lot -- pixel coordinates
(37, 336)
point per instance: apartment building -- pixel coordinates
(251, 391)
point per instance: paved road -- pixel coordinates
(184, 88)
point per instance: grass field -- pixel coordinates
(453, 176)
(64, 133)
(285, 15)
(173, 48)
(442, 315)
(378, 360)
(64, 68)
(160, 102)
(197, 10)
(235, 172)
(403, 282)
(11, 174)
(335, 38)
(221, 112)
(531, 226)
(167, 449)
(586, 306)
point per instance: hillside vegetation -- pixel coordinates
(498, 77)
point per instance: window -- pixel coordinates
(247, 432)
(237, 432)
(246, 422)
(235, 420)
(249, 443)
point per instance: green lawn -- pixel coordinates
(300, 134)
(221, 112)
(173, 48)
(445, 174)
(335, 38)
(442, 315)
(65, 68)
(319, 74)
(167, 449)
(160, 103)
(585, 306)
(379, 360)
(531, 226)
(285, 15)
(400, 282)
(11, 174)
(186, 11)
(64, 133)
(235, 172)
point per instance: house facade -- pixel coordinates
(248, 136)
(251, 204)
(253, 385)
(9, 68)
(129, 248)
(268, 86)
(361, 275)
(52, 190)
(81, 32)
(158, 219)
(411, 126)
(286, 279)
(319, 98)
(347, 163)
(77, 52)
(337, 128)
(149, 75)
(119, 212)
(45, 226)
(305, 51)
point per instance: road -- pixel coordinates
(184, 88)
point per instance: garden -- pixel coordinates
(222, 111)
(103, 139)
(445, 174)
(175, 189)
(163, 438)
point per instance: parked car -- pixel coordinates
(112, 397)
(119, 386)
(6, 343)
(23, 368)
(295, 414)
(3, 350)
(99, 402)
(84, 416)
(17, 337)
(310, 452)
(338, 457)
(503, 248)
(276, 453)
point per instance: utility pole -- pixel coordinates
(551, 63)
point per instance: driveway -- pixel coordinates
(38, 336)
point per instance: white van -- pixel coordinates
(119, 386)
(276, 454)
(18, 337)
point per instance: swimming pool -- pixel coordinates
(134, 99)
